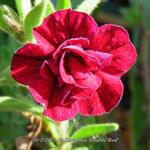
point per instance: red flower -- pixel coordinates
(76, 66)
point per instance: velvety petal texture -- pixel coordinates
(115, 40)
(75, 66)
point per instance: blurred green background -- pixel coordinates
(133, 113)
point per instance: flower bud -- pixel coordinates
(10, 22)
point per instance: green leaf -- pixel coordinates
(50, 8)
(3, 24)
(9, 20)
(81, 148)
(132, 16)
(6, 79)
(63, 4)
(10, 23)
(9, 123)
(96, 129)
(19, 105)
(36, 2)
(50, 127)
(88, 6)
(34, 18)
(1, 146)
(23, 7)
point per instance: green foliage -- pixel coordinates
(1, 146)
(81, 148)
(34, 18)
(36, 2)
(132, 16)
(88, 6)
(50, 127)
(75, 3)
(3, 23)
(50, 8)
(7, 47)
(15, 98)
(19, 105)
(63, 4)
(10, 21)
(146, 11)
(23, 7)
(6, 79)
(95, 129)
(12, 125)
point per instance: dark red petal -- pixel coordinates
(78, 70)
(123, 59)
(41, 90)
(27, 71)
(115, 40)
(33, 51)
(90, 84)
(43, 42)
(54, 65)
(110, 91)
(80, 53)
(102, 59)
(67, 78)
(55, 27)
(82, 25)
(91, 106)
(66, 24)
(65, 91)
(58, 112)
(80, 42)
(45, 70)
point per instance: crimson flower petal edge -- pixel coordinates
(75, 66)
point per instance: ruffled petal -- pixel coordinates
(90, 84)
(91, 106)
(27, 72)
(67, 78)
(33, 51)
(26, 69)
(36, 88)
(101, 59)
(115, 40)
(43, 42)
(78, 69)
(110, 91)
(58, 112)
(45, 70)
(66, 24)
(82, 25)
(123, 59)
(80, 54)
(79, 42)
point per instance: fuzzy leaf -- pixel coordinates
(81, 148)
(9, 20)
(36, 2)
(23, 7)
(50, 8)
(88, 6)
(34, 18)
(19, 105)
(63, 4)
(96, 129)
(3, 24)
